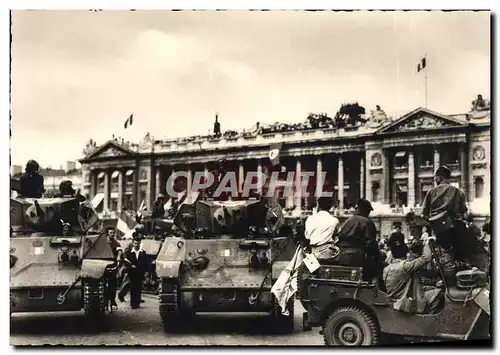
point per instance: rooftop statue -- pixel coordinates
(89, 147)
(377, 117)
(480, 108)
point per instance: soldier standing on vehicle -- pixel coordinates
(358, 242)
(403, 271)
(444, 207)
(321, 228)
(158, 207)
(31, 182)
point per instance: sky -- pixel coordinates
(78, 75)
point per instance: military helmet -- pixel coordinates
(32, 166)
(140, 228)
(443, 171)
(66, 187)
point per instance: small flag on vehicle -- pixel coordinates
(122, 226)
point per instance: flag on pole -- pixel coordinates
(142, 208)
(274, 153)
(421, 65)
(122, 226)
(129, 121)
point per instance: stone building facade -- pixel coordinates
(391, 163)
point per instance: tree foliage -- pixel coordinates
(349, 115)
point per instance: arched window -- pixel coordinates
(479, 186)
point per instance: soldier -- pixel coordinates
(404, 270)
(444, 206)
(31, 182)
(158, 207)
(358, 241)
(66, 189)
(218, 175)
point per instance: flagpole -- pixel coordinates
(425, 79)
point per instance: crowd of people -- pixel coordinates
(397, 262)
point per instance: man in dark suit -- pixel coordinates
(137, 261)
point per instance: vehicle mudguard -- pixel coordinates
(173, 249)
(168, 269)
(97, 247)
(93, 269)
(483, 300)
(170, 257)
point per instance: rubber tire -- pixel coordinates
(359, 317)
(282, 324)
(94, 300)
(302, 273)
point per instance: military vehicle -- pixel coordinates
(354, 312)
(226, 260)
(55, 264)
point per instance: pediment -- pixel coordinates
(421, 119)
(110, 149)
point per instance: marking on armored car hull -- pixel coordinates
(38, 251)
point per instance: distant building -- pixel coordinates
(391, 162)
(16, 170)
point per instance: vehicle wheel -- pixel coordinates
(350, 326)
(172, 317)
(302, 275)
(94, 300)
(283, 324)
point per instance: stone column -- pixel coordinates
(157, 181)
(386, 180)
(93, 184)
(189, 184)
(149, 188)
(464, 170)
(319, 171)
(340, 182)
(120, 190)
(298, 187)
(106, 191)
(362, 177)
(259, 170)
(241, 177)
(436, 160)
(411, 179)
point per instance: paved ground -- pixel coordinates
(143, 326)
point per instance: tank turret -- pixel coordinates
(239, 218)
(56, 216)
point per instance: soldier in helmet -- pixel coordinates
(444, 206)
(66, 189)
(218, 175)
(31, 182)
